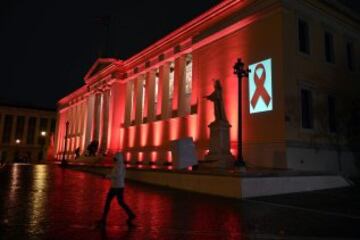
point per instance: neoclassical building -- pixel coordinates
(300, 53)
(26, 134)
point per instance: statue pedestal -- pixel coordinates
(219, 155)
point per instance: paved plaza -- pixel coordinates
(48, 202)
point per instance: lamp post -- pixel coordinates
(16, 155)
(240, 72)
(43, 140)
(63, 161)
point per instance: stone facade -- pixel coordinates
(26, 133)
(141, 104)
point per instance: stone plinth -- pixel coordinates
(219, 155)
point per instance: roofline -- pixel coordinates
(15, 105)
(88, 77)
(72, 95)
(186, 28)
(183, 33)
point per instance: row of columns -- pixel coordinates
(88, 121)
(159, 92)
(23, 139)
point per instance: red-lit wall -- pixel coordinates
(263, 133)
(253, 38)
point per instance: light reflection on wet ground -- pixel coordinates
(47, 202)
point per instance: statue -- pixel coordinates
(219, 155)
(217, 99)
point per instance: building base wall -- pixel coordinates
(231, 185)
(265, 155)
(310, 159)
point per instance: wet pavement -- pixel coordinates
(48, 202)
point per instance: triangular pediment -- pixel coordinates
(98, 66)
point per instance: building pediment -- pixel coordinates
(98, 67)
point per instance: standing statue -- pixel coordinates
(219, 155)
(217, 99)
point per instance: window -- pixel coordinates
(188, 74)
(20, 124)
(350, 55)
(307, 120)
(8, 125)
(329, 47)
(171, 80)
(31, 130)
(332, 114)
(304, 36)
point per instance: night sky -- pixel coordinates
(48, 46)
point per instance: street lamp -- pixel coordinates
(63, 161)
(240, 72)
(17, 155)
(43, 140)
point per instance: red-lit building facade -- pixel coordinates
(141, 104)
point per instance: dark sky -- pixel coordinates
(47, 46)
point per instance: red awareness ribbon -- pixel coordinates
(260, 90)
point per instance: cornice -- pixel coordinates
(225, 8)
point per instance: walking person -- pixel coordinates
(117, 177)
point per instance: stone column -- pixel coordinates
(75, 120)
(97, 117)
(150, 91)
(62, 125)
(57, 133)
(82, 125)
(78, 119)
(164, 88)
(105, 121)
(129, 102)
(89, 119)
(139, 93)
(180, 80)
(70, 118)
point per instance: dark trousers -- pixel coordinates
(119, 193)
